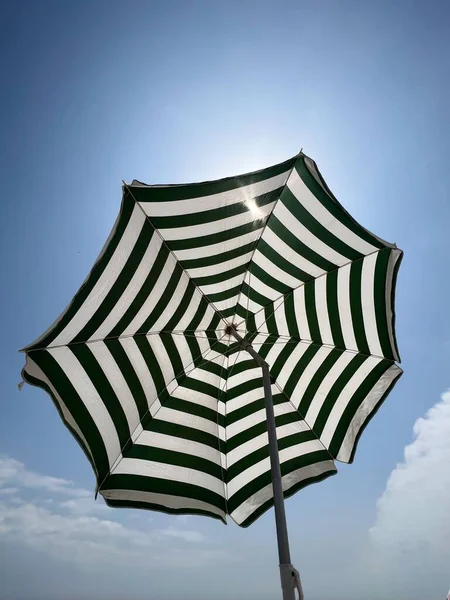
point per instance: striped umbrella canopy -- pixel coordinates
(145, 369)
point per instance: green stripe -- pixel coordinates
(225, 295)
(161, 508)
(181, 309)
(355, 402)
(260, 482)
(215, 259)
(318, 377)
(215, 214)
(333, 309)
(281, 262)
(216, 238)
(188, 433)
(175, 359)
(275, 284)
(311, 312)
(41, 384)
(190, 408)
(291, 317)
(126, 211)
(297, 372)
(145, 291)
(153, 367)
(304, 217)
(163, 301)
(334, 393)
(261, 453)
(288, 493)
(171, 457)
(332, 205)
(259, 428)
(220, 277)
(163, 486)
(282, 358)
(105, 391)
(298, 246)
(120, 284)
(208, 188)
(133, 381)
(356, 306)
(76, 407)
(380, 277)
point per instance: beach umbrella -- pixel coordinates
(231, 343)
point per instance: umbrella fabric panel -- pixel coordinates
(136, 286)
(307, 235)
(349, 308)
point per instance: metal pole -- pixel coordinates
(289, 576)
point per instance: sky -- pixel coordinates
(94, 93)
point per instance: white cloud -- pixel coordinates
(76, 528)
(13, 471)
(412, 530)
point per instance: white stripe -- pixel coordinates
(291, 363)
(173, 303)
(345, 313)
(218, 226)
(364, 411)
(171, 502)
(175, 473)
(162, 357)
(308, 373)
(223, 267)
(256, 500)
(220, 247)
(345, 397)
(325, 218)
(280, 318)
(320, 293)
(214, 201)
(35, 371)
(255, 418)
(222, 286)
(178, 417)
(132, 289)
(393, 258)
(118, 383)
(106, 280)
(237, 454)
(190, 312)
(263, 466)
(263, 289)
(153, 298)
(326, 385)
(91, 400)
(272, 269)
(140, 368)
(278, 245)
(196, 397)
(368, 304)
(300, 313)
(153, 439)
(309, 239)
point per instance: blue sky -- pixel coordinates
(97, 92)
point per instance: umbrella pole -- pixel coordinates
(290, 579)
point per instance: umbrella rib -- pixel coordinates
(294, 340)
(191, 333)
(250, 262)
(186, 373)
(174, 255)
